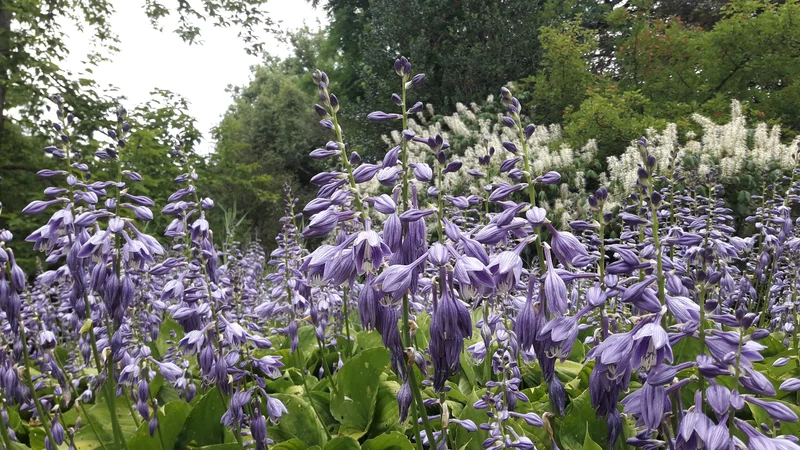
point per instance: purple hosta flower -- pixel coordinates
(450, 325)
(393, 232)
(718, 397)
(473, 277)
(404, 399)
(438, 254)
(558, 336)
(649, 403)
(269, 364)
(511, 147)
(452, 166)
(528, 321)
(388, 176)
(415, 215)
(493, 234)
(170, 371)
(386, 319)
(567, 248)
(650, 347)
(536, 216)
(506, 268)
(790, 385)
(369, 251)
(776, 410)
(321, 223)
(423, 172)
(756, 440)
(509, 164)
(683, 309)
(384, 204)
(555, 290)
(235, 415)
(503, 190)
(695, 426)
(549, 178)
(258, 429)
(458, 202)
(641, 296)
(611, 374)
(396, 280)
(365, 172)
(341, 267)
(38, 206)
(380, 116)
(368, 303)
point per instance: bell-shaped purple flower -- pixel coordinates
(567, 248)
(450, 324)
(396, 280)
(369, 251)
(555, 290)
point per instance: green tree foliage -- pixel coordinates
(264, 140)
(33, 46)
(466, 48)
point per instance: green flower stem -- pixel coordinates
(78, 402)
(346, 163)
(440, 212)
(111, 395)
(407, 341)
(601, 270)
(345, 301)
(419, 406)
(29, 382)
(487, 360)
(299, 353)
(158, 430)
(531, 191)
(6, 436)
(737, 371)
(657, 245)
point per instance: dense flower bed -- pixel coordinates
(426, 318)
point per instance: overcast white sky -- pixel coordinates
(150, 59)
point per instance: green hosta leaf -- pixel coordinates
(578, 422)
(368, 339)
(387, 416)
(322, 403)
(301, 422)
(568, 369)
(170, 424)
(169, 327)
(787, 428)
(232, 446)
(307, 341)
(342, 443)
(467, 370)
(202, 426)
(389, 441)
(353, 402)
(98, 414)
(291, 444)
(465, 439)
(588, 443)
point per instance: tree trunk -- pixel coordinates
(5, 46)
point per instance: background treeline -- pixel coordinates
(604, 69)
